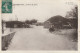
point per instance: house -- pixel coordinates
(14, 24)
(47, 24)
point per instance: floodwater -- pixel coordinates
(39, 38)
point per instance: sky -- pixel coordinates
(41, 10)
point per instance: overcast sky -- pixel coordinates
(43, 10)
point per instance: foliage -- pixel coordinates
(58, 21)
(73, 16)
(31, 21)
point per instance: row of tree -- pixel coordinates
(31, 21)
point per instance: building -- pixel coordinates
(47, 24)
(14, 24)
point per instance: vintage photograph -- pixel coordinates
(46, 25)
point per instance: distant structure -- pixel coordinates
(47, 24)
(14, 24)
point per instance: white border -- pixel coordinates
(45, 51)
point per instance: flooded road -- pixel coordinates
(38, 38)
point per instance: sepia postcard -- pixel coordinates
(39, 26)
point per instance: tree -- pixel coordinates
(58, 21)
(27, 22)
(73, 16)
(73, 13)
(33, 21)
